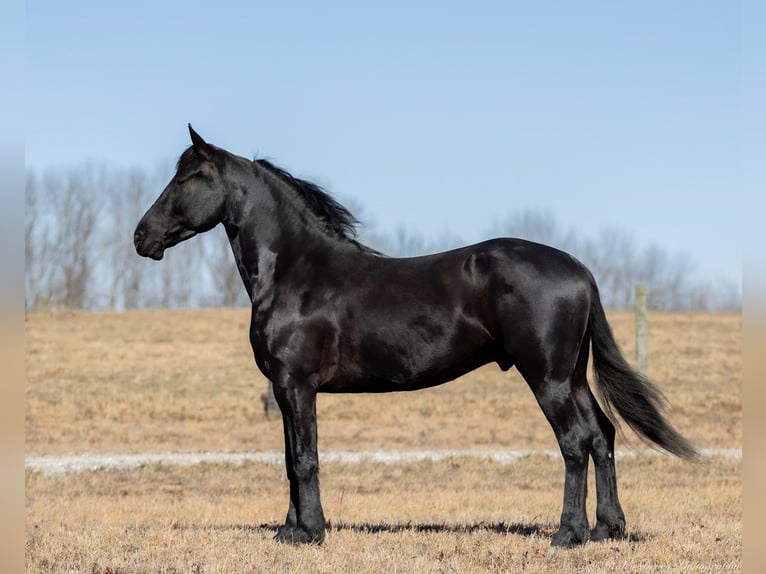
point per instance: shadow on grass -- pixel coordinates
(369, 528)
(496, 527)
(525, 530)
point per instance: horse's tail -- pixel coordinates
(630, 393)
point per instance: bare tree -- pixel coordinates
(32, 266)
(532, 225)
(670, 277)
(404, 243)
(613, 259)
(79, 251)
(78, 212)
(226, 283)
(618, 264)
(60, 222)
(129, 194)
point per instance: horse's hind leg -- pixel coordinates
(557, 401)
(610, 519)
(556, 373)
(582, 429)
(573, 436)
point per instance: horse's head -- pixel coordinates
(191, 203)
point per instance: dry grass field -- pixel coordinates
(185, 381)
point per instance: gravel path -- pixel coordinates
(70, 464)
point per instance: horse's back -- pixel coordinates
(524, 274)
(498, 279)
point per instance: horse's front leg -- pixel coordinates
(305, 518)
(291, 521)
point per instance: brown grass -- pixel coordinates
(452, 516)
(185, 381)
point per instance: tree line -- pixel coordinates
(79, 252)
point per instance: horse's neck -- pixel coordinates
(260, 233)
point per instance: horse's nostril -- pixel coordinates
(137, 237)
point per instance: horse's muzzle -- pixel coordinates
(147, 248)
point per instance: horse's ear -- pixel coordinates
(200, 145)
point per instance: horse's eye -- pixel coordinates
(188, 176)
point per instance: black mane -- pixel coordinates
(337, 219)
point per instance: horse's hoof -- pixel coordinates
(566, 538)
(296, 535)
(604, 531)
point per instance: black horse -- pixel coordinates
(331, 315)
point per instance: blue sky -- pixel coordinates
(436, 116)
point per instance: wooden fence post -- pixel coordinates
(642, 356)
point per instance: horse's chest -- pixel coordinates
(290, 343)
